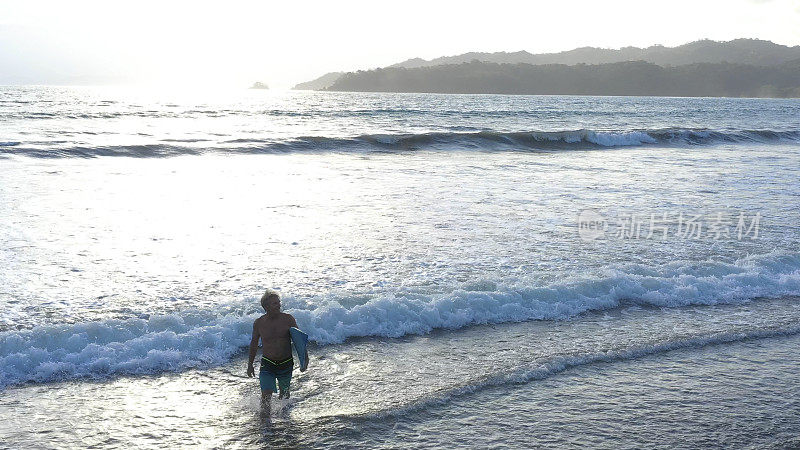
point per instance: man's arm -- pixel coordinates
(251, 371)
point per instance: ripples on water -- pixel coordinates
(405, 232)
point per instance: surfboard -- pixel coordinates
(299, 342)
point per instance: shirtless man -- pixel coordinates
(276, 361)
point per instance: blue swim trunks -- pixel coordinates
(275, 370)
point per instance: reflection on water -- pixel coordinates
(210, 232)
(143, 274)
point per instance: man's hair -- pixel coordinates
(268, 295)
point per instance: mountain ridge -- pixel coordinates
(746, 51)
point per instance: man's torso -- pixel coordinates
(275, 339)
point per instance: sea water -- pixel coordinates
(472, 269)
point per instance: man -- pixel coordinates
(276, 361)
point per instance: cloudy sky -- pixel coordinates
(235, 43)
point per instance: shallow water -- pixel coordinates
(686, 374)
(435, 249)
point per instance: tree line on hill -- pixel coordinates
(737, 68)
(623, 78)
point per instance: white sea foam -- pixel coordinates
(204, 338)
(620, 139)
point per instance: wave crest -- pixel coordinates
(483, 141)
(204, 338)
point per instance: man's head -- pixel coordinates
(271, 301)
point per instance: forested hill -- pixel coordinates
(623, 78)
(738, 51)
(752, 52)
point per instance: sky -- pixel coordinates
(236, 43)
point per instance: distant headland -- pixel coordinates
(737, 68)
(259, 85)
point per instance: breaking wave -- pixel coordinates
(482, 141)
(192, 338)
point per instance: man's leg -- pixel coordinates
(283, 383)
(267, 382)
(266, 398)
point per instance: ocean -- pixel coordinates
(472, 270)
